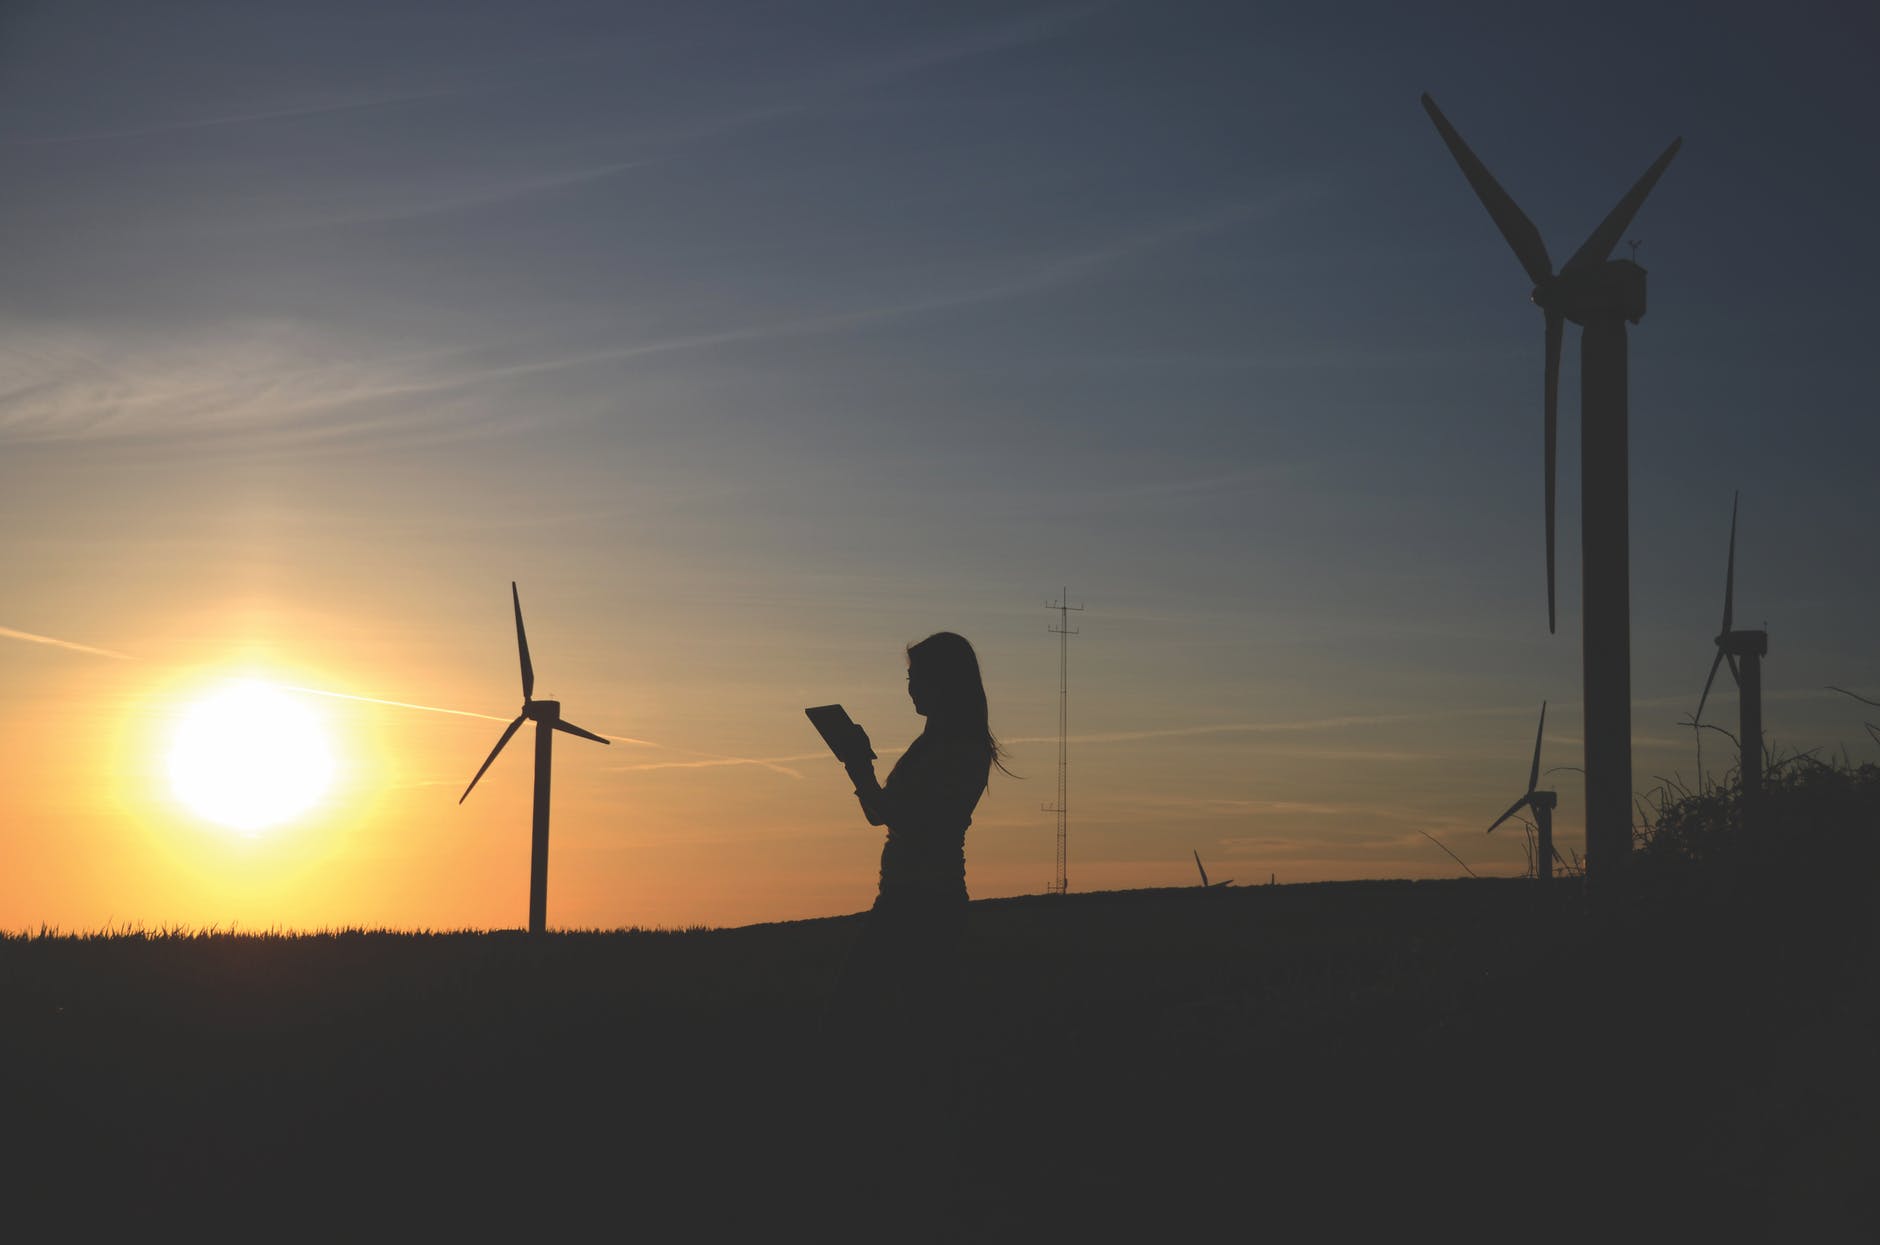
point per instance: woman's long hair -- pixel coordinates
(950, 672)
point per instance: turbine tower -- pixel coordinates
(547, 717)
(1748, 647)
(1600, 294)
(1543, 803)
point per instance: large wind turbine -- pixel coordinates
(1600, 294)
(1750, 647)
(1542, 802)
(547, 716)
(1205, 884)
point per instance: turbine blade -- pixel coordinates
(522, 645)
(1198, 865)
(1550, 430)
(1512, 810)
(1534, 773)
(1735, 674)
(1600, 243)
(1729, 574)
(1717, 661)
(572, 729)
(510, 730)
(1513, 223)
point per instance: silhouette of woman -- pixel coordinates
(898, 1000)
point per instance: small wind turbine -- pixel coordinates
(1205, 884)
(1600, 294)
(1750, 647)
(1542, 802)
(547, 716)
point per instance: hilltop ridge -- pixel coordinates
(1336, 1054)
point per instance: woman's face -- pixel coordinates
(917, 689)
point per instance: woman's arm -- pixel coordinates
(942, 786)
(868, 790)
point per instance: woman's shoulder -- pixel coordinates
(961, 752)
(943, 751)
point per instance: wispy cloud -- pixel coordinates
(985, 40)
(289, 383)
(374, 206)
(1308, 808)
(1385, 756)
(29, 637)
(281, 381)
(829, 89)
(1280, 728)
(1348, 813)
(1226, 482)
(1348, 721)
(1039, 277)
(1368, 839)
(314, 108)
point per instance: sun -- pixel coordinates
(249, 756)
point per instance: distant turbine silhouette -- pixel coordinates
(1751, 647)
(1542, 802)
(1601, 294)
(547, 716)
(1205, 884)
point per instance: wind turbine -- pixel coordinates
(1542, 802)
(1600, 294)
(1205, 884)
(1750, 647)
(547, 717)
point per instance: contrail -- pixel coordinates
(396, 704)
(459, 713)
(774, 765)
(10, 634)
(1267, 728)
(711, 760)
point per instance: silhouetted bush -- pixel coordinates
(1814, 842)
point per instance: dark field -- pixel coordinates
(1466, 1056)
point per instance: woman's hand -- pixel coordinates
(860, 763)
(860, 751)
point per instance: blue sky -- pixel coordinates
(759, 339)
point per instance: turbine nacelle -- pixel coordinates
(546, 714)
(1540, 801)
(1614, 289)
(1744, 643)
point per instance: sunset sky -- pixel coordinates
(755, 341)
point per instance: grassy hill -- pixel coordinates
(1482, 1056)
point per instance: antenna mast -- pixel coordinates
(1064, 631)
